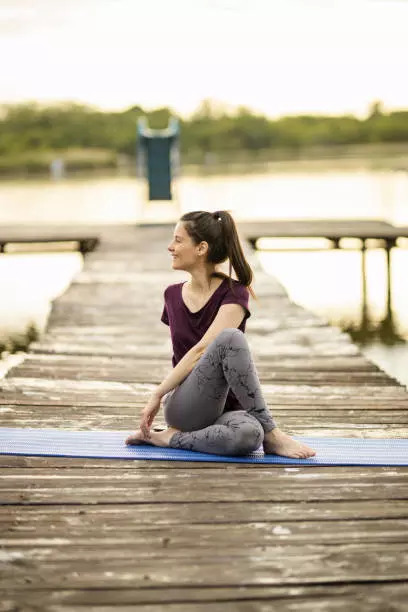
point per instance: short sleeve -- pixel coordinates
(165, 315)
(165, 318)
(239, 296)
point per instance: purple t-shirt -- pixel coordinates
(187, 328)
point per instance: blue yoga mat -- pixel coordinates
(111, 445)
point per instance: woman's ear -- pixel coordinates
(203, 248)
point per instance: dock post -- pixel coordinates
(364, 309)
(390, 243)
(387, 329)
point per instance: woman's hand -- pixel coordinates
(148, 414)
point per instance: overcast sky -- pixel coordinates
(275, 56)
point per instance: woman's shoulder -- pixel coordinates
(236, 286)
(171, 289)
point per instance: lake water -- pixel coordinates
(328, 283)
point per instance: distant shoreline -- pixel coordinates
(91, 162)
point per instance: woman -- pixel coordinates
(213, 401)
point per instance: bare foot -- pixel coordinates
(278, 443)
(157, 438)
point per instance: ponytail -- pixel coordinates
(218, 229)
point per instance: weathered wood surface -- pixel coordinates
(102, 534)
(292, 598)
(330, 228)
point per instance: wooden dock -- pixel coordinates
(99, 535)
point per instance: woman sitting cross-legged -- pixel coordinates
(212, 398)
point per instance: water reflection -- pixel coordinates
(367, 330)
(330, 284)
(19, 341)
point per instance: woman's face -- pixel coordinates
(185, 254)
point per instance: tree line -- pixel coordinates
(31, 127)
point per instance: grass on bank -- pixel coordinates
(15, 342)
(32, 163)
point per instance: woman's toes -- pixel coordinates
(135, 438)
(306, 451)
(157, 438)
(309, 452)
(279, 443)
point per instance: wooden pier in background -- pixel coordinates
(168, 535)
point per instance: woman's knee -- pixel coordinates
(230, 334)
(247, 438)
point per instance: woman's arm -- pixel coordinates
(179, 372)
(229, 315)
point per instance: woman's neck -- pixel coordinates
(202, 281)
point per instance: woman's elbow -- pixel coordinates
(198, 351)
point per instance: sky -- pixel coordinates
(277, 57)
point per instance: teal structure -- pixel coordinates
(158, 157)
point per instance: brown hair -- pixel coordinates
(218, 229)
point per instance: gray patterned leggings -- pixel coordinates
(196, 406)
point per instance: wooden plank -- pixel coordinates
(29, 519)
(12, 398)
(146, 536)
(155, 488)
(340, 364)
(269, 565)
(353, 597)
(291, 413)
(270, 390)
(300, 425)
(144, 373)
(334, 228)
